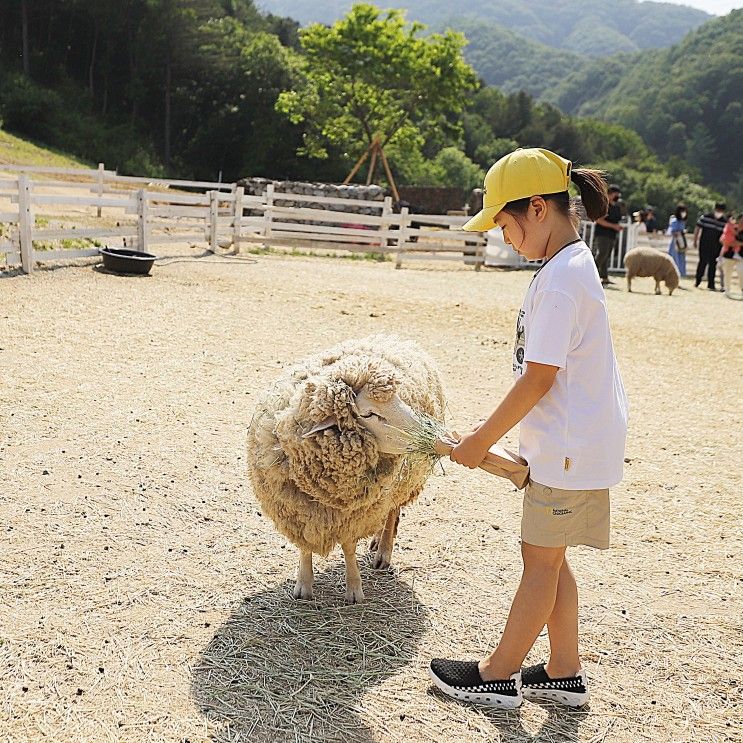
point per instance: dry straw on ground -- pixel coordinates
(143, 597)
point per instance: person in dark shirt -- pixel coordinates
(651, 223)
(707, 234)
(606, 233)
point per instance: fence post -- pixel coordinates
(142, 220)
(480, 250)
(384, 225)
(402, 236)
(213, 219)
(237, 218)
(268, 214)
(25, 223)
(101, 168)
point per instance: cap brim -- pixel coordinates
(484, 220)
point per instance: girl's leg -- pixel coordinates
(531, 608)
(728, 264)
(563, 627)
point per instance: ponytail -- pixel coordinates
(593, 194)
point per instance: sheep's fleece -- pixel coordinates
(335, 486)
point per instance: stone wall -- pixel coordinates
(257, 187)
(432, 199)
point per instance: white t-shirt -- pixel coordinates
(574, 437)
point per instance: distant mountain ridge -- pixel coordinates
(684, 101)
(512, 62)
(590, 27)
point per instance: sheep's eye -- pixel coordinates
(371, 414)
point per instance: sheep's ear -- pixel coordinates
(329, 422)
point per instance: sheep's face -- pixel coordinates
(386, 420)
(341, 432)
(367, 402)
(672, 280)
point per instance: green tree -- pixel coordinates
(456, 170)
(372, 75)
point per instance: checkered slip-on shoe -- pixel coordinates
(462, 680)
(572, 690)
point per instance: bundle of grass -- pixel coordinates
(429, 439)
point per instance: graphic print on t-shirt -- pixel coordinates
(518, 348)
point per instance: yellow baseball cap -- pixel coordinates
(519, 175)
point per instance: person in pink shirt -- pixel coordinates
(732, 253)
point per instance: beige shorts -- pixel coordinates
(563, 518)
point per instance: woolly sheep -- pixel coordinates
(651, 262)
(326, 458)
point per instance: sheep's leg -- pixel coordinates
(629, 283)
(354, 592)
(386, 540)
(375, 540)
(657, 286)
(305, 577)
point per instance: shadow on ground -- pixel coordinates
(281, 669)
(560, 724)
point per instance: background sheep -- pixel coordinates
(326, 458)
(651, 262)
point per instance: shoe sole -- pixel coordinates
(487, 699)
(568, 698)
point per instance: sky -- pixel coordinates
(716, 7)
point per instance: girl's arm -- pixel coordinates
(527, 391)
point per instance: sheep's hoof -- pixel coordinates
(302, 590)
(381, 560)
(354, 594)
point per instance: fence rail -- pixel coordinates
(142, 212)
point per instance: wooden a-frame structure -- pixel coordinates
(376, 151)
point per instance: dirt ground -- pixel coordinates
(143, 597)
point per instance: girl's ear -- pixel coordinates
(539, 205)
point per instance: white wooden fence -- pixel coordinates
(140, 213)
(143, 212)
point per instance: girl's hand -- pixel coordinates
(470, 451)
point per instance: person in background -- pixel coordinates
(474, 203)
(732, 253)
(677, 231)
(707, 235)
(605, 234)
(651, 223)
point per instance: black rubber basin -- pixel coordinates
(122, 260)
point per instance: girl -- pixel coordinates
(570, 401)
(677, 231)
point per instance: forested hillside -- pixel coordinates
(592, 27)
(186, 86)
(686, 101)
(209, 88)
(512, 62)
